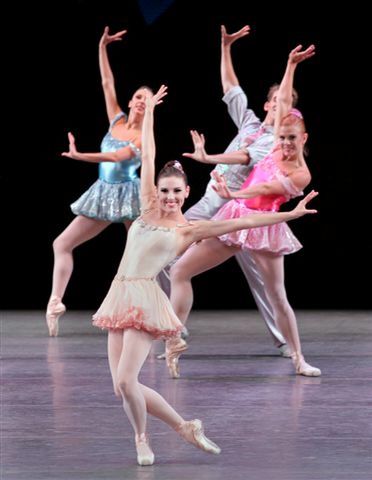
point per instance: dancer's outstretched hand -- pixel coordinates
(72, 151)
(228, 39)
(220, 186)
(297, 56)
(199, 154)
(157, 98)
(107, 38)
(301, 209)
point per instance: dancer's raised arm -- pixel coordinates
(285, 92)
(107, 77)
(148, 189)
(228, 75)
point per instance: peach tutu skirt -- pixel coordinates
(137, 303)
(278, 238)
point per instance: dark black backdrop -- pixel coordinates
(58, 88)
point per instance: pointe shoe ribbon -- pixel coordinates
(145, 456)
(173, 351)
(303, 368)
(193, 432)
(55, 309)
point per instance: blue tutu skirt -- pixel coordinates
(113, 202)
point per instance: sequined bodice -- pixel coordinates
(118, 172)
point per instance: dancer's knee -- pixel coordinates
(178, 274)
(279, 302)
(60, 245)
(126, 386)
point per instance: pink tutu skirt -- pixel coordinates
(137, 303)
(276, 238)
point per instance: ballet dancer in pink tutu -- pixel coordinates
(277, 178)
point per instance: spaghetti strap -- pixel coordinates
(117, 117)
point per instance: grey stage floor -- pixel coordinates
(60, 419)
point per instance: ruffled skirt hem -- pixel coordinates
(120, 323)
(137, 303)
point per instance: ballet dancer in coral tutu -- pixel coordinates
(136, 310)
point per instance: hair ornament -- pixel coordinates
(296, 113)
(178, 165)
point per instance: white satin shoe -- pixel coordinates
(303, 368)
(145, 456)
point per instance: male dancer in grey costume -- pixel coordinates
(259, 136)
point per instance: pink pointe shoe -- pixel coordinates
(193, 432)
(55, 309)
(303, 368)
(174, 349)
(184, 335)
(145, 456)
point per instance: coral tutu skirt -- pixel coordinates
(278, 238)
(137, 303)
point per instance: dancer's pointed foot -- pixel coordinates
(193, 432)
(303, 368)
(55, 309)
(184, 335)
(174, 348)
(145, 456)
